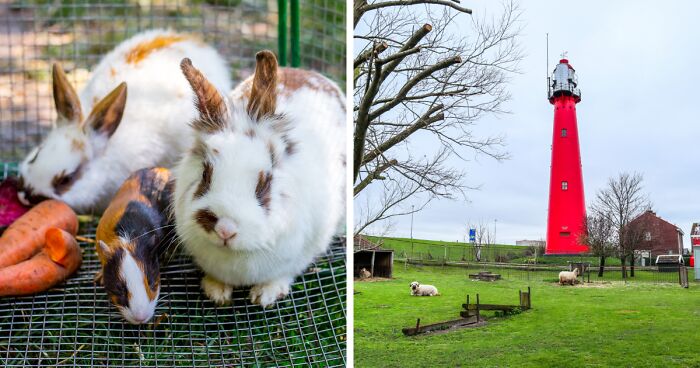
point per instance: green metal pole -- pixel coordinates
(296, 52)
(282, 31)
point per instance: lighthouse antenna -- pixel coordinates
(547, 71)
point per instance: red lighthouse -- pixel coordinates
(567, 207)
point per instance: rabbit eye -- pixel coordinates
(35, 156)
(206, 219)
(205, 182)
(263, 188)
(62, 182)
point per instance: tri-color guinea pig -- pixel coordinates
(132, 234)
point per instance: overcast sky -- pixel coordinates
(636, 64)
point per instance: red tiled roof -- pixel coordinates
(652, 213)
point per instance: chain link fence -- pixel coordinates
(523, 263)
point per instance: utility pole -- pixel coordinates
(412, 230)
(495, 227)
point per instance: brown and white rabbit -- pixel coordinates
(261, 192)
(104, 134)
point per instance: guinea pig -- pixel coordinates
(132, 234)
(83, 159)
(262, 191)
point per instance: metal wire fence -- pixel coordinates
(522, 263)
(74, 324)
(550, 272)
(35, 33)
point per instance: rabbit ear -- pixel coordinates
(65, 98)
(263, 95)
(107, 114)
(211, 106)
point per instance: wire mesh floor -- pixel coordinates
(75, 325)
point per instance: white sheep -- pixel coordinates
(568, 277)
(364, 274)
(423, 290)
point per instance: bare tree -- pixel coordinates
(483, 238)
(417, 80)
(641, 234)
(634, 234)
(621, 201)
(598, 234)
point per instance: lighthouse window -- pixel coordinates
(564, 185)
(563, 132)
(564, 233)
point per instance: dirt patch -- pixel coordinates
(594, 285)
(372, 279)
(481, 323)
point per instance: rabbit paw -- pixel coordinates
(217, 291)
(268, 293)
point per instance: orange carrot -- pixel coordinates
(59, 244)
(26, 236)
(40, 272)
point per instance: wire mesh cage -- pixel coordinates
(74, 324)
(35, 33)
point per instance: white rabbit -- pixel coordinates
(84, 160)
(262, 192)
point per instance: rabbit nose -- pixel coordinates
(225, 229)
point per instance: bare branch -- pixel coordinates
(376, 174)
(361, 6)
(425, 120)
(411, 83)
(430, 83)
(376, 49)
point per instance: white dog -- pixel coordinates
(423, 290)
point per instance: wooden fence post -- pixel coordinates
(683, 276)
(529, 301)
(478, 311)
(520, 298)
(467, 308)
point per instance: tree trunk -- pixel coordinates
(632, 266)
(602, 266)
(624, 269)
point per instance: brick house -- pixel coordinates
(659, 236)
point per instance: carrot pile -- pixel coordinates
(39, 250)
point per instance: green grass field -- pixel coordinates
(599, 325)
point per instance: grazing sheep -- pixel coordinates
(423, 290)
(364, 274)
(568, 277)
